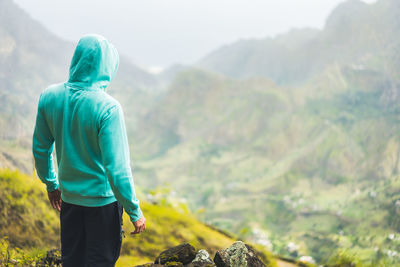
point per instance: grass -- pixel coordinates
(35, 226)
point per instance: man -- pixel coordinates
(94, 174)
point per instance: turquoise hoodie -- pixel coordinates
(88, 129)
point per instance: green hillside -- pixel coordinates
(313, 170)
(29, 223)
(314, 164)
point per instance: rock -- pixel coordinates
(149, 265)
(221, 258)
(174, 263)
(53, 258)
(252, 259)
(238, 254)
(183, 253)
(202, 259)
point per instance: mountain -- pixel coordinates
(355, 34)
(296, 136)
(250, 159)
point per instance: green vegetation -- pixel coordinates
(10, 256)
(29, 227)
(304, 173)
(314, 163)
(168, 226)
(26, 218)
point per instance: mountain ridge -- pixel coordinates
(352, 32)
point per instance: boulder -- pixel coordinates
(202, 259)
(183, 253)
(238, 254)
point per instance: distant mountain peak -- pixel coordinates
(348, 10)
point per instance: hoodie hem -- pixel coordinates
(87, 201)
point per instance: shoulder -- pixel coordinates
(106, 102)
(51, 92)
(108, 106)
(53, 89)
(108, 99)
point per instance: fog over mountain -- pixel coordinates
(355, 33)
(162, 33)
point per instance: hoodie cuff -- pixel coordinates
(136, 215)
(52, 187)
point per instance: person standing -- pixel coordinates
(94, 178)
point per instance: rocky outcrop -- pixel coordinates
(238, 254)
(184, 253)
(202, 259)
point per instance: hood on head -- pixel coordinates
(94, 63)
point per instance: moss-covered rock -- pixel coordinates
(174, 264)
(53, 258)
(202, 259)
(183, 253)
(238, 254)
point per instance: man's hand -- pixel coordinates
(140, 226)
(55, 199)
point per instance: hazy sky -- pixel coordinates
(163, 32)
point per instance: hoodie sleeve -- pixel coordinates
(42, 148)
(114, 148)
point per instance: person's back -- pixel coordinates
(88, 128)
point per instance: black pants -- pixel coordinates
(90, 236)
